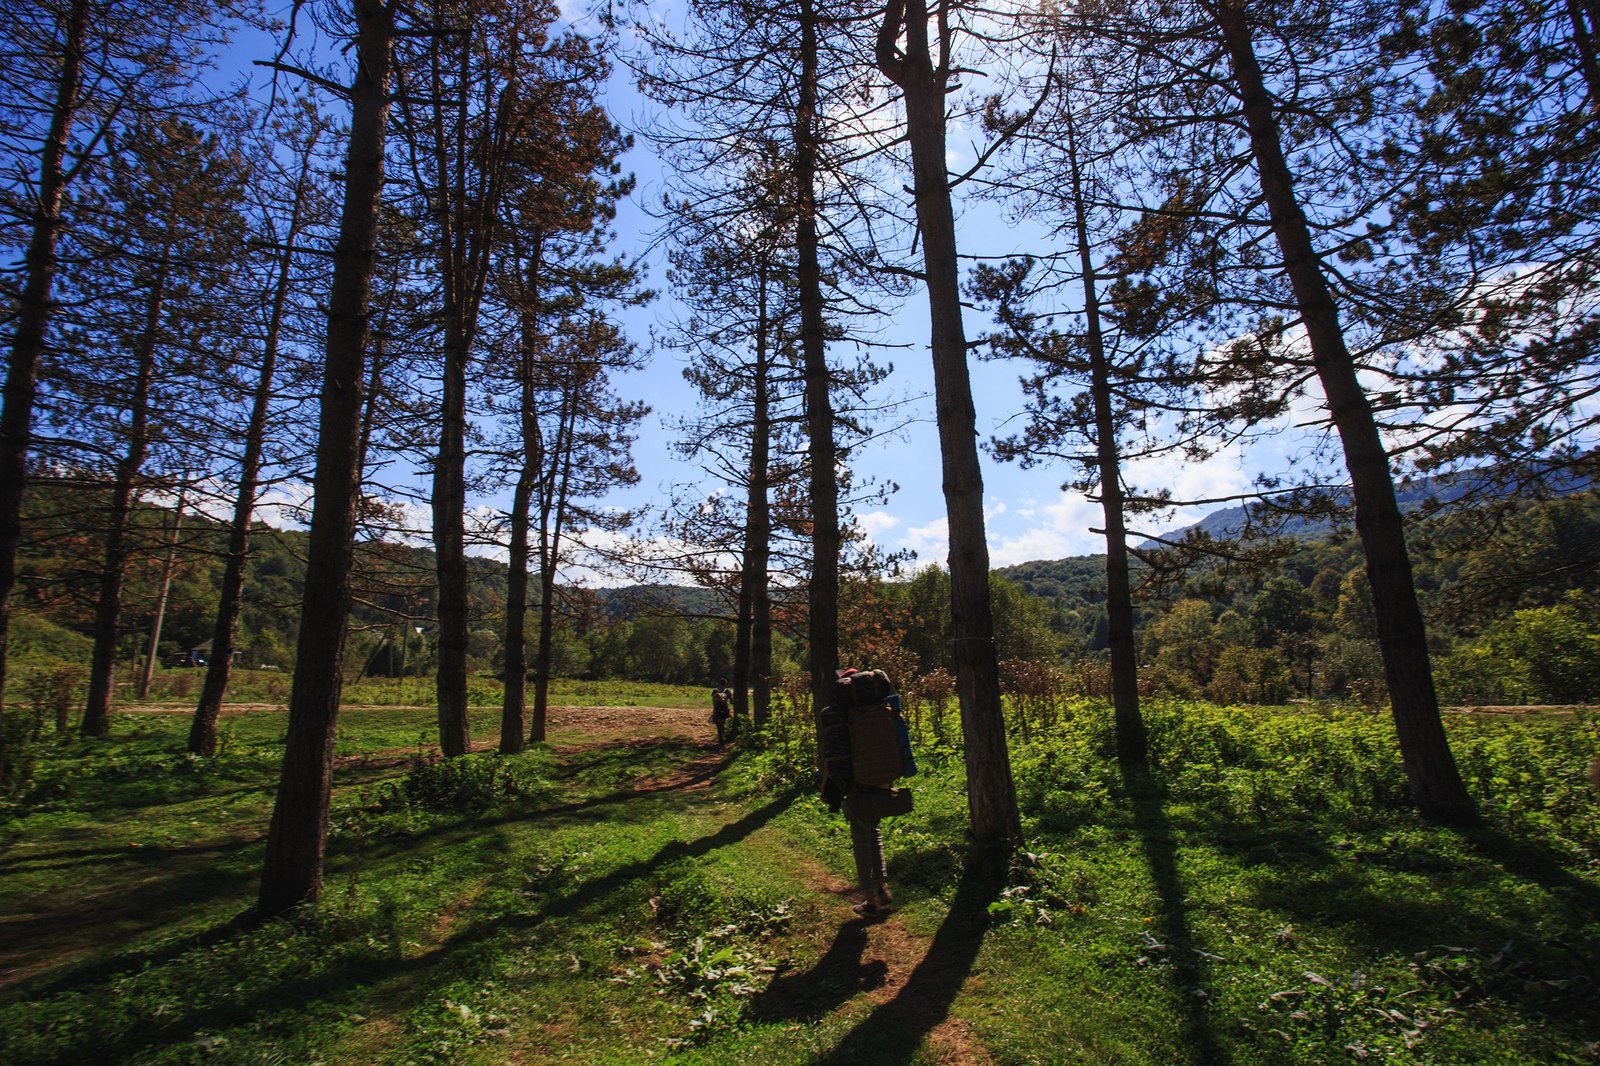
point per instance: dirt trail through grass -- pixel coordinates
(846, 972)
(630, 894)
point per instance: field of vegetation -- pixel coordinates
(630, 893)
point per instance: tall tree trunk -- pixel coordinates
(449, 545)
(1585, 18)
(544, 647)
(1424, 749)
(467, 220)
(744, 601)
(292, 871)
(108, 609)
(552, 522)
(230, 597)
(513, 708)
(153, 648)
(743, 619)
(449, 466)
(823, 624)
(757, 551)
(514, 702)
(1132, 751)
(32, 317)
(991, 793)
(761, 655)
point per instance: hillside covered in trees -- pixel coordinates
(1510, 594)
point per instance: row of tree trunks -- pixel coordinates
(514, 701)
(108, 608)
(230, 598)
(152, 651)
(552, 522)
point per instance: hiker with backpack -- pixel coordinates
(721, 709)
(863, 747)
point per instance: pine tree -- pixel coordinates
(906, 55)
(292, 868)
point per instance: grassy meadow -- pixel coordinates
(630, 894)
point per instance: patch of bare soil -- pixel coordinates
(228, 709)
(642, 727)
(633, 721)
(875, 959)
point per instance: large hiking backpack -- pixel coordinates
(874, 729)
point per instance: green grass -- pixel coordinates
(1266, 897)
(272, 687)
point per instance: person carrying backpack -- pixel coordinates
(863, 746)
(721, 709)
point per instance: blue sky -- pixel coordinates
(1028, 516)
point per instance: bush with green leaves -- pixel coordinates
(1538, 655)
(469, 784)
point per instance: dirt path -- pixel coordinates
(875, 958)
(876, 980)
(888, 958)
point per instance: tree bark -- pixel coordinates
(230, 597)
(991, 793)
(153, 646)
(514, 703)
(1585, 18)
(1424, 749)
(449, 545)
(467, 219)
(292, 871)
(32, 318)
(552, 522)
(1132, 747)
(753, 641)
(108, 608)
(513, 709)
(823, 624)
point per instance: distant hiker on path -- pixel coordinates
(721, 709)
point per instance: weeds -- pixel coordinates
(1271, 899)
(472, 784)
(709, 971)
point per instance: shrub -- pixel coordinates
(469, 784)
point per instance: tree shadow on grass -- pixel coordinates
(590, 809)
(894, 1031)
(814, 994)
(1188, 974)
(90, 934)
(1535, 862)
(594, 893)
(357, 965)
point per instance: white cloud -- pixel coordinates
(286, 505)
(1061, 530)
(931, 542)
(876, 523)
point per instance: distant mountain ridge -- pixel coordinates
(1412, 496)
